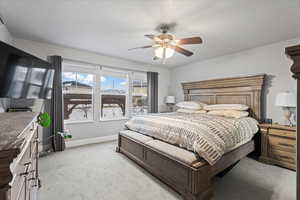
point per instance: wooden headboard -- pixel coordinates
(237, 90)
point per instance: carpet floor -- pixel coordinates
(97, 172)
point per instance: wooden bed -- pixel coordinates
(195, 183)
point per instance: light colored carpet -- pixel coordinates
(97, 172)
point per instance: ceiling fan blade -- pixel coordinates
(192, 40)
(182, 51)
(143, 47)
(153, 37)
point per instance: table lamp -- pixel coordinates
(170, 101)
(287, 101)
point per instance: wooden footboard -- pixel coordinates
(192, 183)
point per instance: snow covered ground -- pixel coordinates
(79, 114)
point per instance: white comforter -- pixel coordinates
(209, 136)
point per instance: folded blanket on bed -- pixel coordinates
(209, 136)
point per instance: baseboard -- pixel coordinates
(44, 149)
(81, 142)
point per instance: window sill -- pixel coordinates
(80, 122)
(92, 121)
(108, 120)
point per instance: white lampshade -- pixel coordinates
(170, 99)
(285, 99)
(159, 52)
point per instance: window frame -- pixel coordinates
(98, 71)
(104, 71)
(133, 78)
(84, 71)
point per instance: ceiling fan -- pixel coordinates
(165, 44)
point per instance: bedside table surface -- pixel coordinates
(278, 126)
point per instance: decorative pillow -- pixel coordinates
(226, 107)
(182, 110)
(229, 113)
(192, 105)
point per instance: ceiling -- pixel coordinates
(111, 27)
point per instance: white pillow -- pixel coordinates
(192, 105)
(226, 107)
(229, 113)
(182, 110)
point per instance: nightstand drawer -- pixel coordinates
(282, 133)
(283, 156)
(283, 144)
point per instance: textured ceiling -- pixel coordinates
(111, 27)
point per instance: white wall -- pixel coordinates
(5, 35)
(95, 129)
(269, 59)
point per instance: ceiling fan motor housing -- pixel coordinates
(166, 37)
(164, 28)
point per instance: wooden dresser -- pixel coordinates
(278, 145)
(19, 178)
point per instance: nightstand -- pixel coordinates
(166, 111)
(278, 145)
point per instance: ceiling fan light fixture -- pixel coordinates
(159, 52)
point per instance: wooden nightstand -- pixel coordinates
(278, 145)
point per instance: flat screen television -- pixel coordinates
(24, 76)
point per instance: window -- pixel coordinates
(92, 93)
(78, 96)
(114, 93)
(139, 94)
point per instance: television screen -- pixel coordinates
(23, 75)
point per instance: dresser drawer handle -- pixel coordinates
(33, 182)
(286, 145)
(24, 174)
(27, 164)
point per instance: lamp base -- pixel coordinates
(170, 107)
(287, 114)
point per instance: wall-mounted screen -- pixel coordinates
(23, 76)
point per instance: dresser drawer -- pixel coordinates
(283, 156)
(283, 144)
(17, 188)
(21, 195)
(18, 156)
(21, 167)
(28, 179)
(27, 152)
(282, 133)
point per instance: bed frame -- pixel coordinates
(196, 183)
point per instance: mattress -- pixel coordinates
(207, 135)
